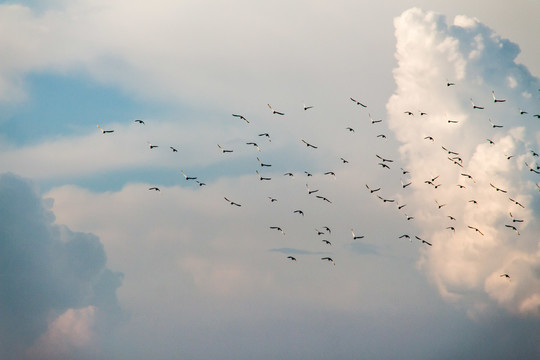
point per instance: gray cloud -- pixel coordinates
(45, 269)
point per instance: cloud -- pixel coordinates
(50, 274)
(466, 264)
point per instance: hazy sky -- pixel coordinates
(94, 264)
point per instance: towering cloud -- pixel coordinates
(55, 288)
(495, 142)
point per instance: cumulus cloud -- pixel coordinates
(466, 265)
(54, 281)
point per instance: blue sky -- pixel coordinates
(107, 268)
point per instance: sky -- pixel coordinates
(431, 102)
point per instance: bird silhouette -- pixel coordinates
(241, 117)
(274, 111)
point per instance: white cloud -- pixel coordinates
(465, 265)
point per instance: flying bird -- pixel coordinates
(439, 205)
(329, 259)
(497, 189)
(241, 117)
(448, 83)
(154, 188)
(254, 144)
(384, 165)
(224, 150)
(323, 198)
(513, 228)
(495, 125)
(232, 202)
(173, 149)
(358, 102)
(405, 236)
(476, 107)
(373, 121)
(278, 229)
(267, 135)
(475, 229)
(468, 176)
(522, 112)
(292, 258)
(372, 190)
(491, 142)
(274, 111)
(403, 185)
(344, 161)
(262, 164)
(408, 113)
(350, 129)
(355, 237)
(516, 202)
(261, 177)
(188, 177)
(430, 138)
(383, 159)
(422, 240)
(327, 242)
(310, 191)
(330, 173)
(139, 121)
(272, 199)
(105, 131)
(152, 146)
(298, 212)
(308, 144)
(495, 100)
(505, 276)
(307, 107)
(200, 183)
(327, 229)
(385, 200)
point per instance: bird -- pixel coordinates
(400, 206)
(327, 242)
(323, 198)
(455, 162)
(516, 202)
(358, 103)
(430, 138)
(515, 220)
(298, 212)
(532, 169)
(278, 229)
(308, 144)
(263, 164)
(224, 150)
(405, 236)
(505, 276)
(382, 136)
(373, 121)
(440, 205)
(105, 131)
(330, 173)
(497, 189)
(152, 146)
(403, 185)
(344, 161)
(409, 217)
(350, 129)
(329, 259)
(508, 157)
(451, 217)
(409, 113)
(355, 237)
(254, 144)
(310, 191)
(461, 186)
(451, 228)
(173, 149)
(292, 258)
(468, 176)
(139, 121)
(200, 183)
(308, 173)
(513, 228)
(422, 113)
(475, 106)
(522, 112)
(319, 232)
(448, 83)
(384, 165)
(422, 240)
(474, 202)
(475, 229)
(267, 135)
(288, 174)
(536, 116)
(274, 111)
(495, 100)
(494, 125)
(491, 142)
(449, 151)
(241, 117)
(452, 121)
(188, 177)
(327, 229)
(404, 172)
(261, 177)
(383, 159)
(535, 154)
(385, 200)
(272, 199)
(307, 107)
(372, 190)
(232, 202)
(154, 188)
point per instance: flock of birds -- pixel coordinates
(385, 163)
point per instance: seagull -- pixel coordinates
(200, 183)
(308, 144)
(307, 107)
(350, 129)
(429, 138)
(382, 136)
(384, 165)
(422, 240)
(468, 176)
(232, 202)
(449, 152)
(403, 185)
(292, 258)
(241, 117)
(383, 159)
(262, 178)
(254, 144)
(515, 220)
(327, 242)
(356, 237)
(262, 164)
(329, 259)
(298, 212)
(531, 168)
(267, 135)
(272, 199)
(439, 205)
(288, 174)
(344, 161)
(405, 236)
(373, 121)
(475, 229)
(494, 125)
(154, 188)
(327, 229)
(496, 188)
(224, 150)
(310, 191)
(308, 173)
(409, 217)
(505, 276)
(495, 100)
(385, 200)
(400, 206)
(188, 177)
(372, 190)
(522, 112)
(491, 142)
(152, 146)
(408, 113)
(474, 202)
(323, 198)
(139, 121)
(173, 149)
(278, 229)
(451, 217)
(516, 202)
(404, 171)
(358, 102)
(476, 107)
(455, 162)
(449, 83)
(451, 228)
(274, 111)
(105, 131)
(513, 228)
(330, 173)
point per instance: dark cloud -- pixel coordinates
(45, 269)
